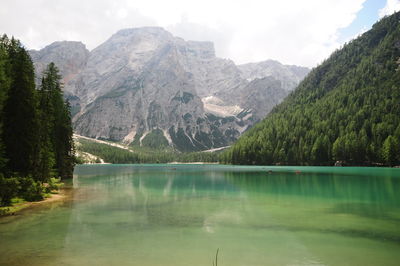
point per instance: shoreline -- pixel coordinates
(15, 209)
(192, 163)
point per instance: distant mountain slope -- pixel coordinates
(290, 75)
(144, 81)
(347, 109)
(261, 95)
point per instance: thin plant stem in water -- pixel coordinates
(216, 258)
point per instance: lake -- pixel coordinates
(181, 214)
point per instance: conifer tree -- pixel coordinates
(20, 112)
(59, 121)
(46, 159)
(68, 151)
(390, 150)
(3, 93)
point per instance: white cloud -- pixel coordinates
(390, 7)
(296, 32)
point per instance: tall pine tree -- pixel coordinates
(59, 122)
(46, 160)
(20, 112)
(4, 84)
(68, 151)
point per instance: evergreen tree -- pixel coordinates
(4, 84)
(46, 161)
(320, 151)
(66, 144)
(58, 123)
(338, 149)
(20, 112)
(390, 151)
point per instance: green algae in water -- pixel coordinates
(181, 214)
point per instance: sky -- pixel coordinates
(293, 32)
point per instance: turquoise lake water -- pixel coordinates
(181, 214)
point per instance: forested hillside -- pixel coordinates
(347, 109)
(35, 126)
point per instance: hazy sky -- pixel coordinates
(293, 32)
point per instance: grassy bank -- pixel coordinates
(24, 198)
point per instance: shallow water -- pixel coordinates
(180, 214)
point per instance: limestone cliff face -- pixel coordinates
(146, 79)
(289, 75)
(69, 57)
(211, 74)
(261, 95)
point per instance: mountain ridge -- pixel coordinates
(146, 79)
(345, 110)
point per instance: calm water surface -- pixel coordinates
(180, 214)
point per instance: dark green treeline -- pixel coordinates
(35, 126)
(139, 154)
(347, 109)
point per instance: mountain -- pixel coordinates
(289, 75)
(70, 57)
(346, 110)
(261, 95)
(146, 83)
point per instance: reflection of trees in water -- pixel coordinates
(174, 197)
(159, 196)
(342, 198)
(366, 189)
(352, 206)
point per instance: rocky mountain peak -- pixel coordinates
(145, 80)
(59, 48)
(142, 30)
(69, 56)
(140, 39)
